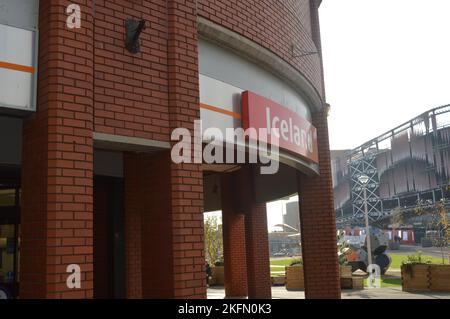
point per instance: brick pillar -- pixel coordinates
(233, 241)
(186, 180)
(256, 238)
(318, 223)
(160, 235)
(148, 224)
(56, 217)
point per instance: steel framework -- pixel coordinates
(410, 163)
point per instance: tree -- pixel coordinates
(397, 221)
(213, 240)
(439, 221)
(343, 248)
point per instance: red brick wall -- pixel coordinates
(256, 237)
(149, 244)
(187, 179)
(258, 260)
(234, 247)
(318, 224)
(245, 238)
(275, 25)
(131, 90)
(164, 241)
(58, 160)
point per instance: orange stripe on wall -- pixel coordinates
(16, 67)
(222, 111)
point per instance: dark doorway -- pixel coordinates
(109, 239)
(9, 231)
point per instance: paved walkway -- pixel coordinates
(382, 293)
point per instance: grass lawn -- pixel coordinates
(277, 266)
(281, 262)
(387, 282)
(398, 258)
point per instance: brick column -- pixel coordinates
(148, 224)
(57, 166)
(133, 225)
(256, 238)
(186, 180)
(258, 260)
(162, 246)
(234, 248)
(318, 223)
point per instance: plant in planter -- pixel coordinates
(218, 272)
(343, 249)
(419, 274)
(296, 262)
(411, 260)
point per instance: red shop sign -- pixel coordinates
(296, 135)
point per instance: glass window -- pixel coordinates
(7, 197)
(7, 253)
(405, 236)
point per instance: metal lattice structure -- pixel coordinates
(410, 163)
(365, 165)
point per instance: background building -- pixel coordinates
(291, 217)
(407, 165)
(287, 241)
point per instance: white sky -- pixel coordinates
(385, 61)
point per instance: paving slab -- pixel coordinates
(381, 293)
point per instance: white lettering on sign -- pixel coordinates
(288, 131)
(74, 18)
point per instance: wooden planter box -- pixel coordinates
(426, 278)
(295, 279)
(218, 276)
(346, 271)
(278, 280)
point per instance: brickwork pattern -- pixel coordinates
(274, 24)
(186, 180)
(131, 90)
(318, 224)
(256, 235)
(234, 247)
(57, 219)
(133, 226)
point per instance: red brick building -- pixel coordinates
(86, 175)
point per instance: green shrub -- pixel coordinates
(296, 262)
(219, 263)
(414, 259)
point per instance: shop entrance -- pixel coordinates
(9, 232)
(109, 238)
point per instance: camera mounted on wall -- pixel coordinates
(133, 29)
